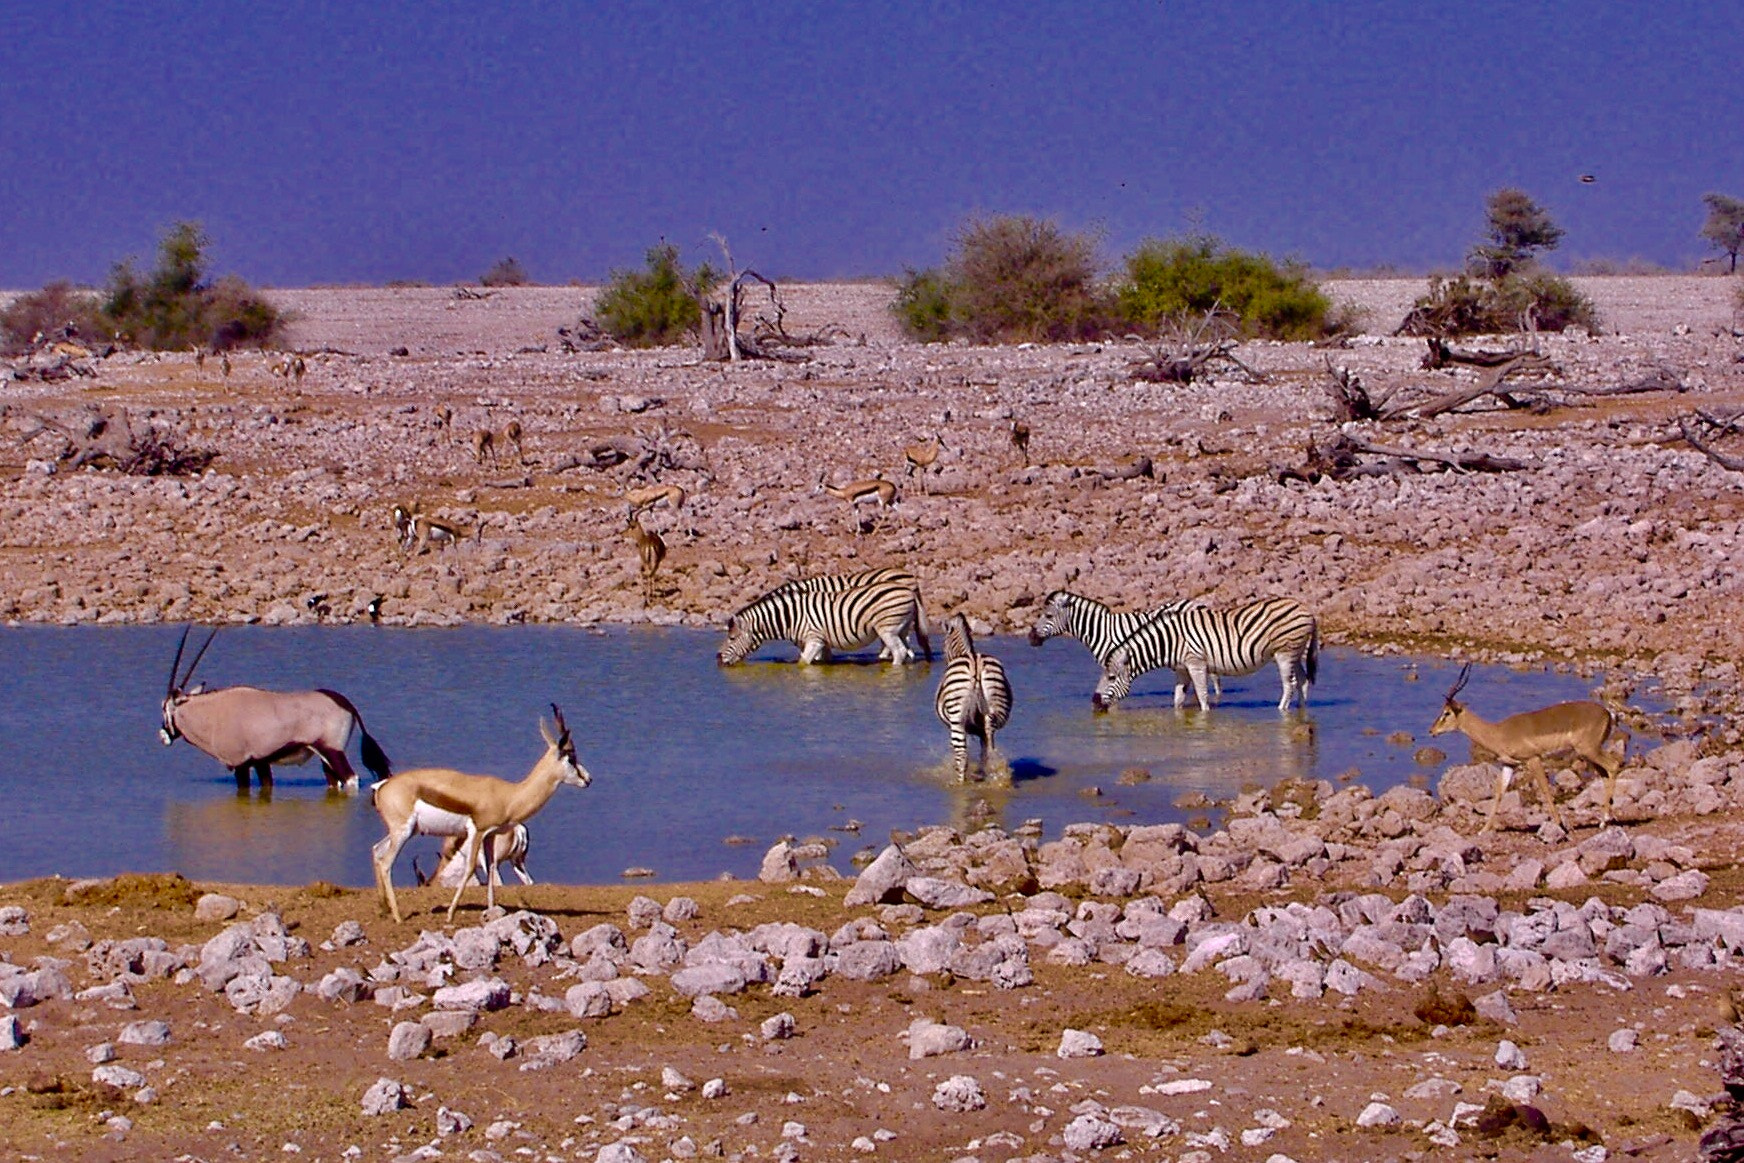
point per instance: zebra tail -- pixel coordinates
(921, 627)
(1313, 668)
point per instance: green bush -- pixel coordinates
(175, 307)
(58, 310)
(923, 305)
(657, 305)
(1535, 300)
(1189, 276)
(505, 272)
(1007, 279)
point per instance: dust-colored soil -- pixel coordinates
(1616, 548)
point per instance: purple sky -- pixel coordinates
(362, 142)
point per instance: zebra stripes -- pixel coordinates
(828, 583)
(819, 623)
(1204, 642)
(1101, 628)
(974, 696)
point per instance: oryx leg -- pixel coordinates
(240, 771)
(1502, 782)
(336, 766)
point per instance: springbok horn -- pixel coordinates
(562, 727)
(198, 655)
(176, 664)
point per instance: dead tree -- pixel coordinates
(721, 338)
(1350, 397)
(1342, 460)
(1187, 346)
(1717, 428)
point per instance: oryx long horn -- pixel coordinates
(198, 655)
(176, 663)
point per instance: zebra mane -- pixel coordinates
(959, 643)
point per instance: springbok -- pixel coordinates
(652, 550)
(1020, 439)
(1529, 737)
(437, 801)
(647, 498)
(248, 729)
(873, 489)
(508, 848)
(414, 531)
(484, 443)
(923, 456)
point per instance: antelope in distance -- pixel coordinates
(484, 443)
(1581, 728)
(248, 729)
(974, 696)
(417, 533)
(508, 848)
(641, 500)
(873, 490)
(1020, 439)
(923, 456)
(438, 801)
(652, 550)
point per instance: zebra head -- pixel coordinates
(741, 640)
(1116, 681)
(1056, 618)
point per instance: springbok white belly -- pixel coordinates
(428, 820)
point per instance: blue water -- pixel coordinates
(685, 755)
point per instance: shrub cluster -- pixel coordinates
(57, 311)
(174, 306)
(660, 304)
(506, 272)
(1506, 290)
(1017, 279)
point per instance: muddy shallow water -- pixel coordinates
(697, 770)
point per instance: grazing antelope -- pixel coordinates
(874, 489)
(437, 801)
(974, 696)
(444, 415)
(484, 443)
(1527, 738)
(508, 848)
(1020, 439)
(413, 530)
(247, 729)
(652, 551)
(673, 496)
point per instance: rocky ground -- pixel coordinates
(1327, 975)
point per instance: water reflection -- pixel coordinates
(685, 754)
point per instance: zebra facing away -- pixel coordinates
(819, 623)
(829, 583)
(1101, 628)
(1205, 642)
(974, 696)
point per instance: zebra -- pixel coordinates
(974, 696)
(1205, 642)
(821, 622)
(829, 583)
(1101, 628)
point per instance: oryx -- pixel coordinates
(248, 729)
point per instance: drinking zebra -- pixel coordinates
(974, 696)
(1204, 642)
(1101, 628)
(818, 623)
(827, 583)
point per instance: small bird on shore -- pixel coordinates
(374, 609)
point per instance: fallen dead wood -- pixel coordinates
(1705, 445)
(1342, 460)
(1186, 348)
(1142, 468)
(1441, 354)
(1350, 396)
